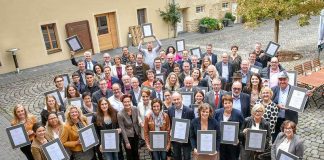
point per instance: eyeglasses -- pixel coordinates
(236, 88)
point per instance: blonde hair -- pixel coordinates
(82, 118)
(167, 83)
(203, 107)
(28, 117)
(266, 89)
(257, 107)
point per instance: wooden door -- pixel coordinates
(82, 30)
(107, 31)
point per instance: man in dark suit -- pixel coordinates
(89, 63)
(91, 85)
(178, 110)
(76, 81)
(185, 72)
(169, 65)
(188, 85)
(136, 91)
(214, 97)
(157, 92)
(194, 62)
(81, 71)
(225, 68)
(209, 53)
(103, 92)
(261, 56)
(241, 101)
(140, 68)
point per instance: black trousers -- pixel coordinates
(228, 152)
(27, 152)
(132, 154)
(277, 128)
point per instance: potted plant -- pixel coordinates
(209, 22)
(202, 28)
(228, 19)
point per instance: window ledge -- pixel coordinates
(54, 51)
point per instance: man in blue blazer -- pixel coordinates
(136, 91)
(209, 53)
(110, 79)
(88, 62)
(225, 68)
(241, 101)
(178, 110)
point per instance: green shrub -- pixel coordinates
(210, 23)
(230, 16)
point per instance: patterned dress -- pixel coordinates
(270, 114)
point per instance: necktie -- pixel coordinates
(216, 100)
(159, 95)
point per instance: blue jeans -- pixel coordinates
(181, 151)
(159, 155)
(110, 155)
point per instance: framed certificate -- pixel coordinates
(194, 107)
(292, 75)
(88, 137)
(206, 141)
(229, 132)
(110, 140)
(272, 49)
(76, 101)
(297, 99)
(204, 89)
(158, 140)
(66, 79)
(57, 96)
(147, 30)
(255, 69)
(255, 140)
(161, 76)
(18, 136)
(180, 44)
(61, 116)
(74, 43)
(187, 98)
(89, 117)
(54, 150)
(180, 130)
(282, 155)
(196, 51)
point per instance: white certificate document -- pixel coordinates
(180, 45)
(180, 130)
(88, 137)
(206, 142)
(74, 44)
(186, 100)
(254, 70)
(272, 49)
(147, 30)
(285, 157)
(18, 136)
(89, 119)
(297, 98)
(291, 78)
(255, 140)
(55, 152)
(158, 141)
(196, 52)
(229, 133)
(110, 141)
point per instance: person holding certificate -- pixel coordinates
(129, 124)
(255, 122)
(21, 115)
(157, 120)
(54, 126)
(226, 114)
(75, 120)
(104, 119)
(51, 105)
(144, 109)
(38, 141)
(204, 122)
(288, 141)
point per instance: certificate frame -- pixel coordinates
(117, 139)
(263, 141)
(281, 152)
(222, 125)
(79, 46)
(272, 49)
(62, 149)
(80, 131)
(165, 138)
(56, 94)
(203, 89)
(62, 115)
(290, 96)
(89, 115)
(180, 48)
(161, 76)
(66, 79)
(192, 94)
(27, 142)
(194, 107)
(78, 99)
(292, 75)
(254, 68)
(174, 121)
(145, 35)
(199, 133)
(193, 52)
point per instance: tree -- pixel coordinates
(172, 16)
(254, 11)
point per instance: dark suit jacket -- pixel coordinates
(214, 58)
(289, 114)
(183, 89)
(74, 62)
(98, 94)
(196, 125)
(245, 104)
(210, 98)
(81, 80)
(258, 64)
(265, 72)
(168, 67)
(145, 68)
(92, 89)
(163, 71)
(134, 100)
(187, 113)
(155, 95)
(230, 70)
(180, 62)
(115, 80)
(181, 78)
(236, 116)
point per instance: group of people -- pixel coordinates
(139, 93)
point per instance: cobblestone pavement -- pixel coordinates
(28, 86)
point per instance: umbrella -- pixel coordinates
(321, 33)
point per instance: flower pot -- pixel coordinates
(202, 29)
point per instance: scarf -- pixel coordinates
(158, 120)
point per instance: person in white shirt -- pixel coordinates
(115, 99)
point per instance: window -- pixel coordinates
(225, 5)
(200, 9)
(141, 16)
(50, 38)
(102, 24)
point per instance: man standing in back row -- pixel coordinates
(150, 53)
